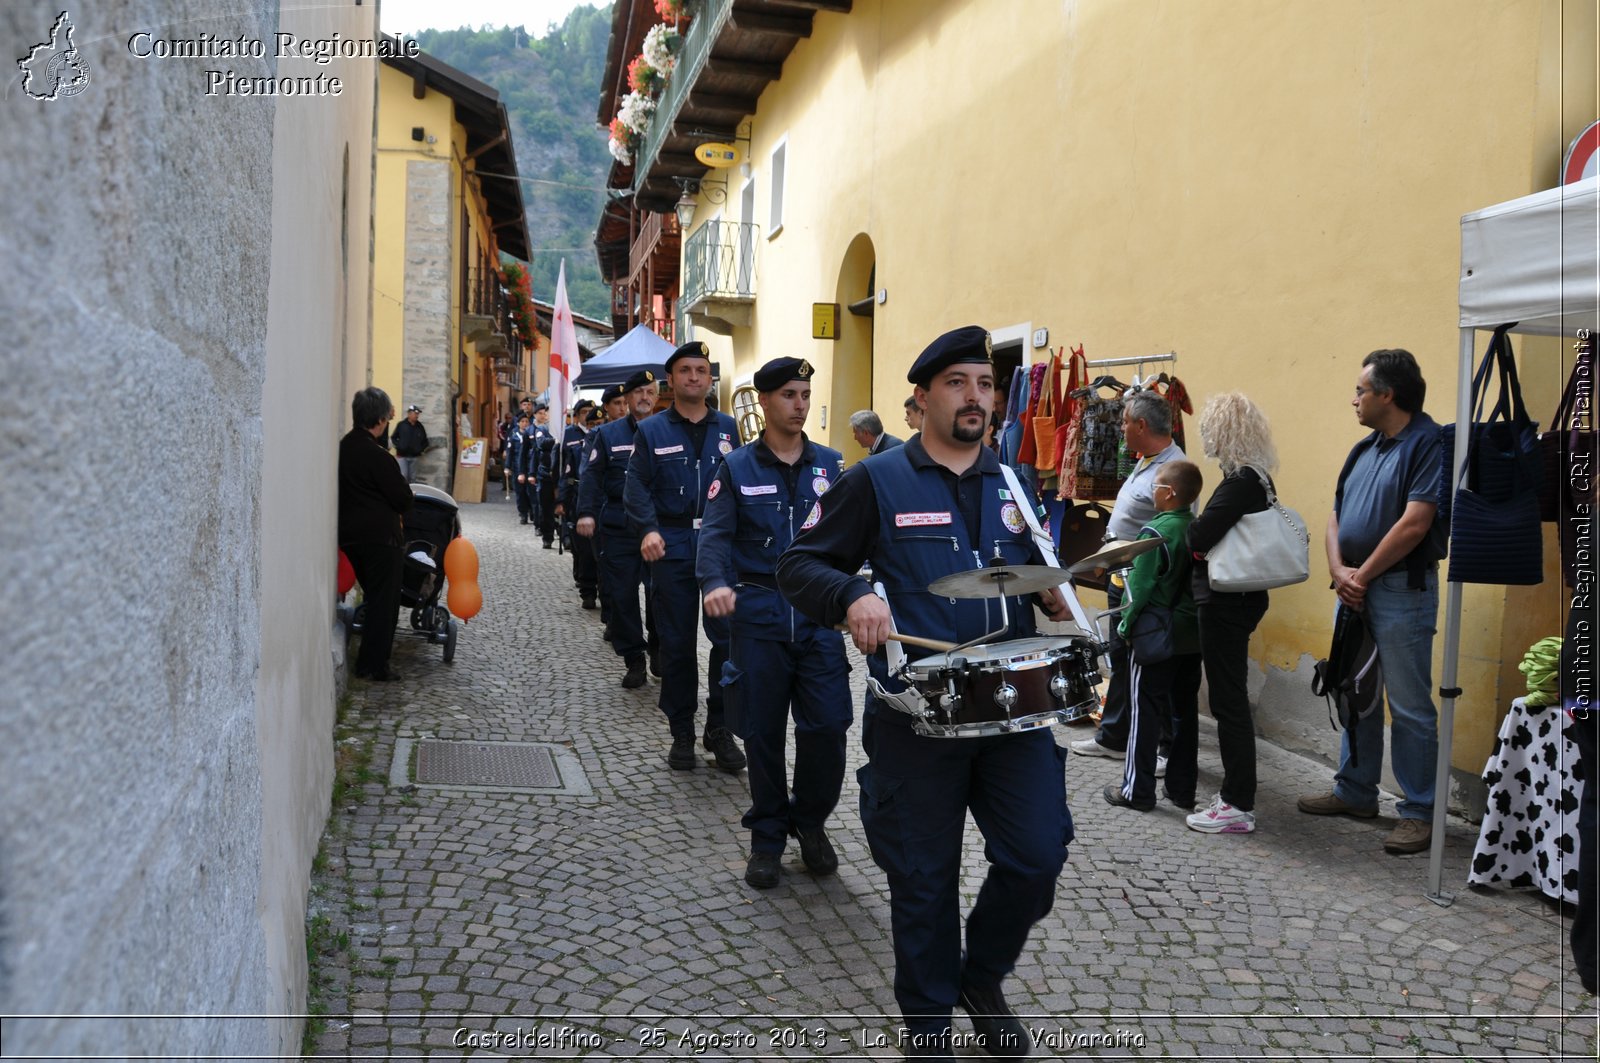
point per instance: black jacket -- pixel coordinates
(409, 440)
(373, 493)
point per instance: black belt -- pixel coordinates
(759, 579)
(677, 522)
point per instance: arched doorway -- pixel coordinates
(852, 351)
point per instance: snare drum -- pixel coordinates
(1006, 687)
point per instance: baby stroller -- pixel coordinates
(434, 520)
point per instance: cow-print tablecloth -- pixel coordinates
(1529, 836)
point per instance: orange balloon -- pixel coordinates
(461, 561)
(464, 599)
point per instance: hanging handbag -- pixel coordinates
(1502, 450)
(1068, 424)
(1495, 534)
(1263, 550)
(1567, 451)
(1044, 418)
(1083, 531)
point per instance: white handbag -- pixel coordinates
(1263, 550)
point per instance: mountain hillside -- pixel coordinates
(551, 87)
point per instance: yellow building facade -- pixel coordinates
(446, 204)
(1269, 190)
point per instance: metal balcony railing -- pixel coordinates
(697, 38)
(719, 262)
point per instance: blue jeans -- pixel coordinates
(1402, 622)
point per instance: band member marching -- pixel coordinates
(938, 505)
(778, 660)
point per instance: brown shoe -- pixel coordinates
(1333, 805)
(1409, 836)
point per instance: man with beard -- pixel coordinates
(671, 469)
(940, 504)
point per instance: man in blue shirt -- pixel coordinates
(673, 463)
(1384, 542)
(764, 494)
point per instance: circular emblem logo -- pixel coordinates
(812, 517)
(819, 486)
(725, 446)
(716, 489)
(1012, 518)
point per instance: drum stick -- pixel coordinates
(913, 640)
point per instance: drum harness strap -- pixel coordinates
(1047, 548)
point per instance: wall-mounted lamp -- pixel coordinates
(685, 208)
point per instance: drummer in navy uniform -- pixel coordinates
(670, 471)
(764, 493)
(601, 515)
(936, 506)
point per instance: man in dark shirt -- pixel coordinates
(938, 505)
(670, 470)
(1384, 543)
(373, 496)
(778, 662)
(410, 439)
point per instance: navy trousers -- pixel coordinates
(623, 573)
(675, 597)
(525, 499)
(762, 683)
(915, 794)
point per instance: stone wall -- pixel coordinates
(166, 672)
(429, 347)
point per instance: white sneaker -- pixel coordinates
(1219, 817)
(1161, 767)
(1091, 747)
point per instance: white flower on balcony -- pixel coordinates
(635, 111)
(661, 47)
(619, 151)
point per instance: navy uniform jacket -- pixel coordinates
(514, 444)
(570, 460)
(536, 453)
(604, 472)
(667, 481)
(754, 508)
(915, 521)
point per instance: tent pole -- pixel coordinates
(1452, 639)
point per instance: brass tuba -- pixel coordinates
(747, 412)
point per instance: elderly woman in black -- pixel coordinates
(373, 496)
(1234, 432)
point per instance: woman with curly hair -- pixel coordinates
(1234, 432)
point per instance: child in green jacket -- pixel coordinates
(1164, 663)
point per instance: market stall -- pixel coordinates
(1534, 261)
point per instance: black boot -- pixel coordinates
(635, 677)
(816, 851)
(681, 757)
(723, 746)
(1000, 1032)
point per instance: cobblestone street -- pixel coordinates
(611, 920)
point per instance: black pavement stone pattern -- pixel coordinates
(619, 925)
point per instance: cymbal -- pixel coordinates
(997, 581)
(1119, 554)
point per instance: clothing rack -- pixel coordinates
(1170, 356)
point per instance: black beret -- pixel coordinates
(969, 343)
(615, 391)
(780, 371)
(592, 416)
(527, 398)
(582, 404)
(692, 349)
(639, 380)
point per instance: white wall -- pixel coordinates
(166, 448)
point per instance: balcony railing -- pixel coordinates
(485, 298)
(719, 262)
(697, 39)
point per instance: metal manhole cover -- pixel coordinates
(491, 764)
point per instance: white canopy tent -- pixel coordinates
(1535, 261)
